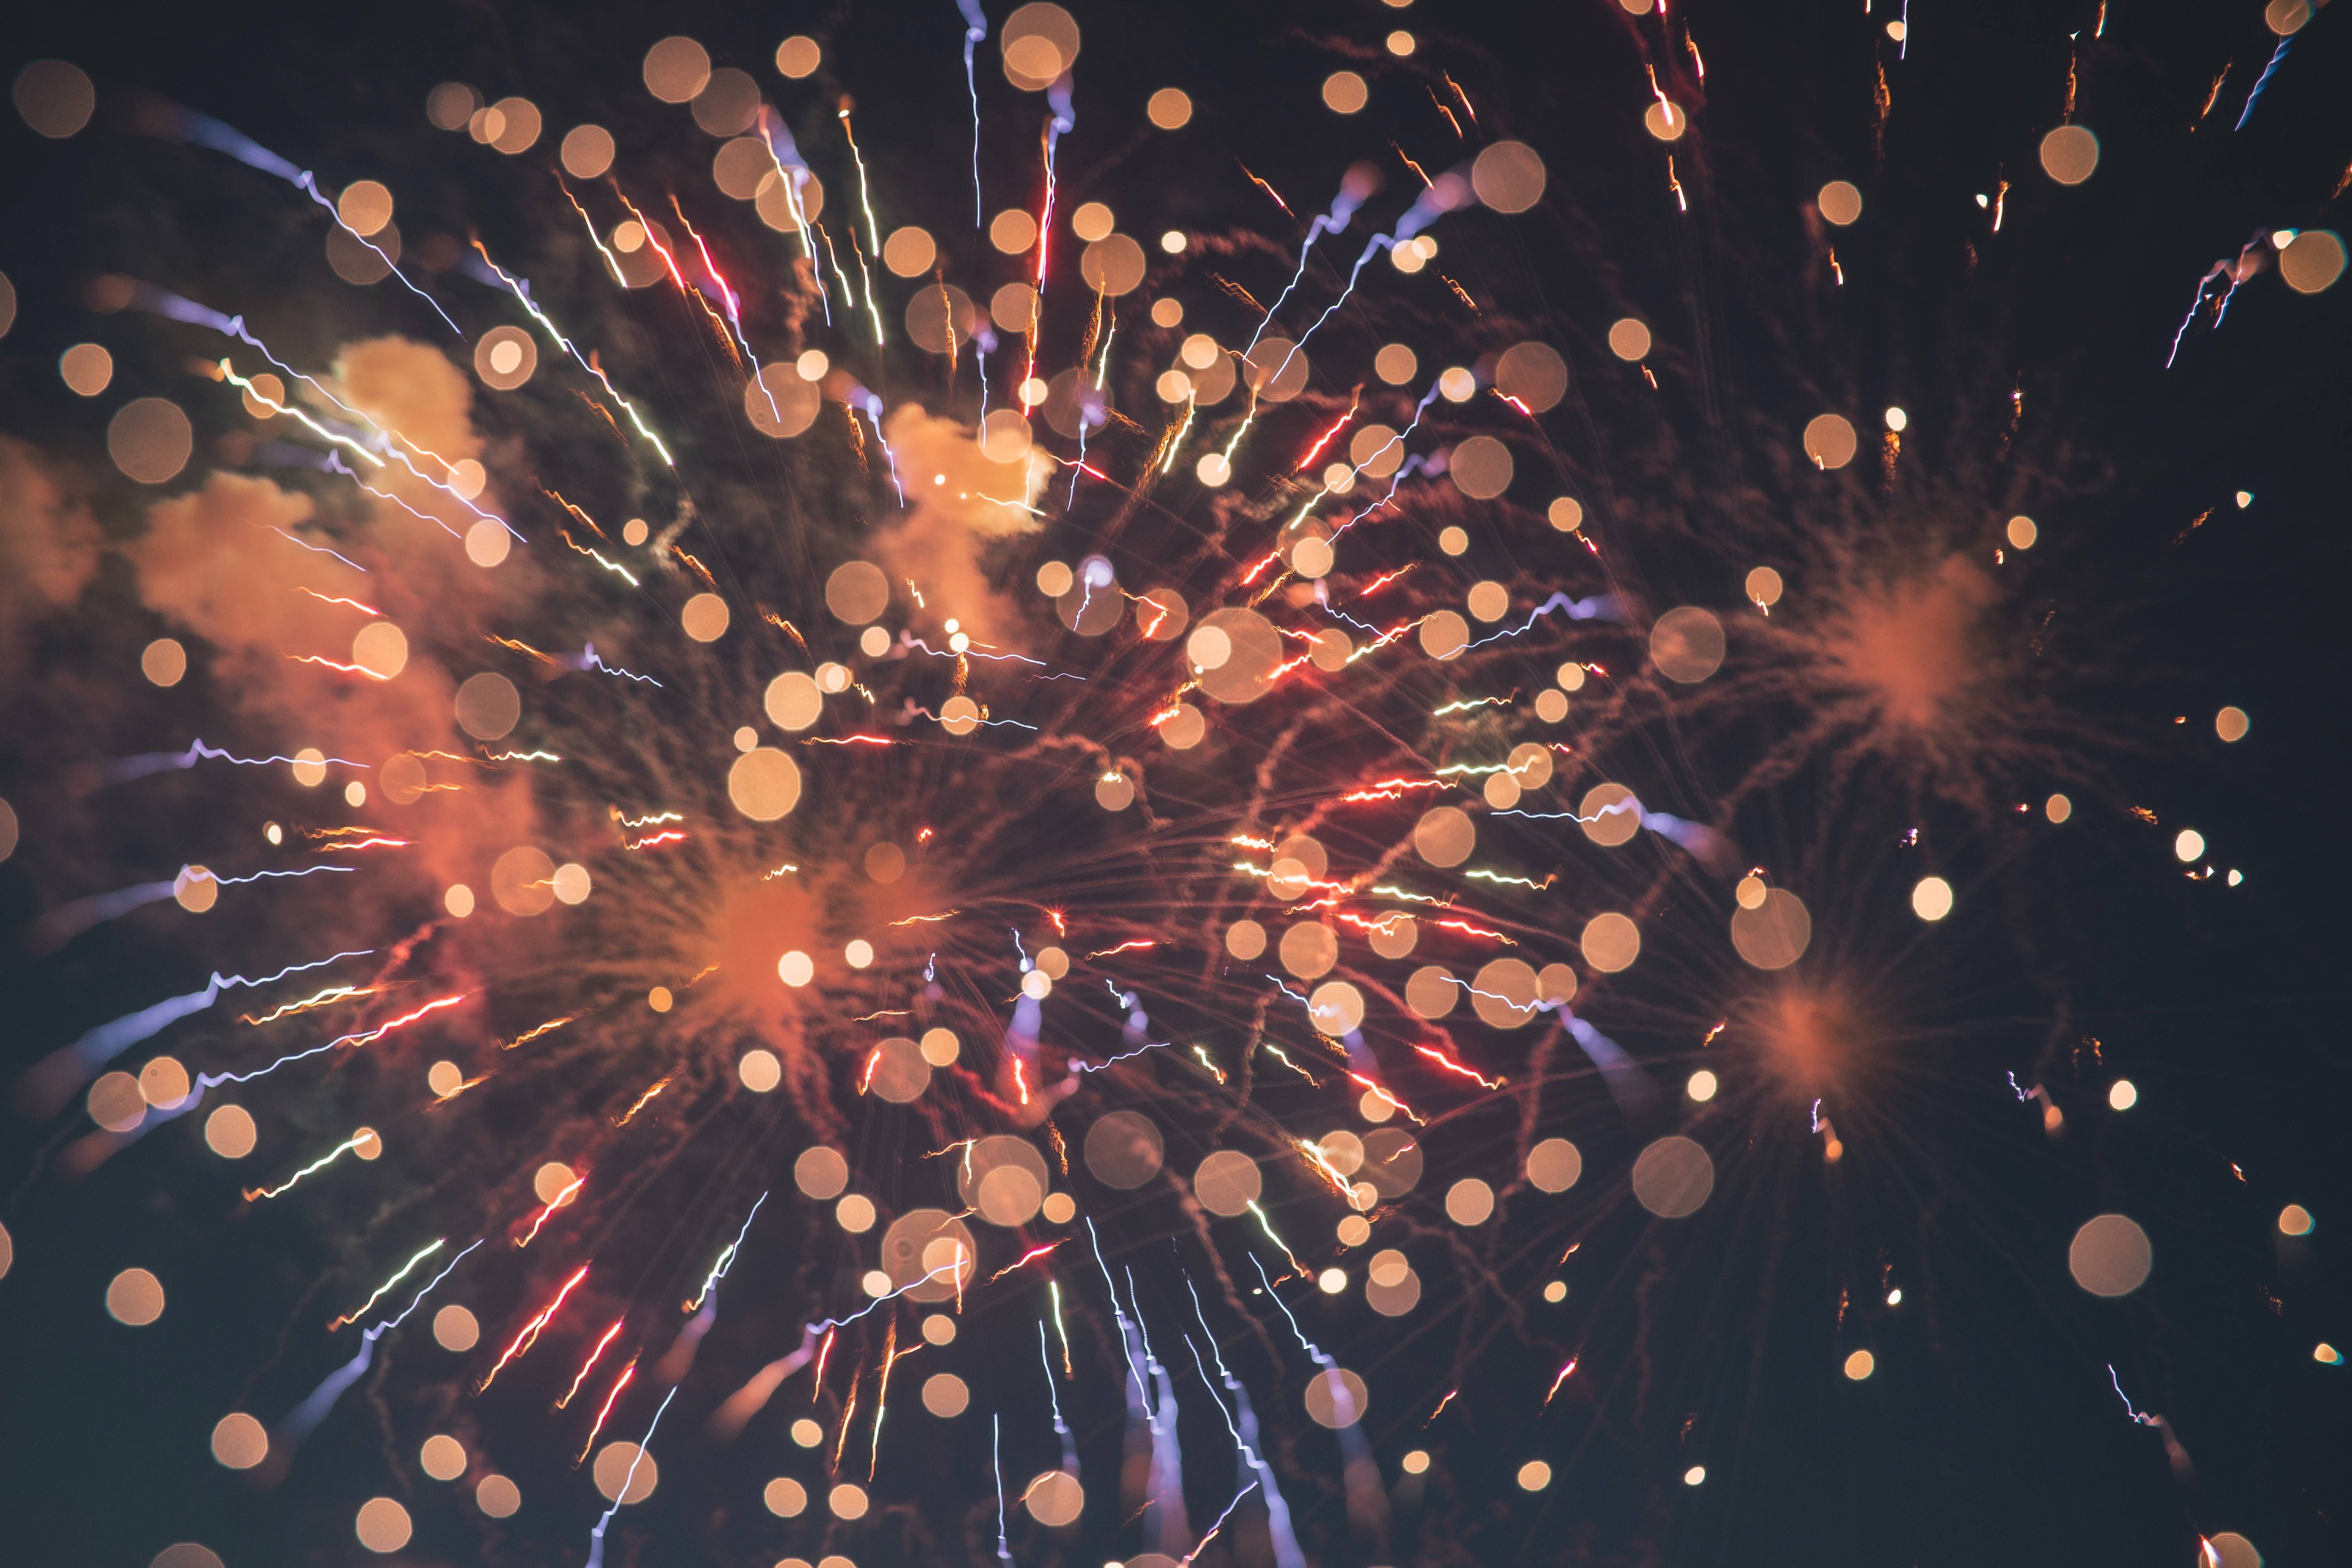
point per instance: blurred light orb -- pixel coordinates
(1554, 1165)
(624, 1464)
(1534, 1476)
(945, 1396)
(798, 57)
(2229, 724)
(764, 783)
(86, 369)
(1170, 109)
(1860, 1364)
(1335, 1398)
(1629, 340)
(1931, 899)
(55, 98)
(229, 1131)
(150, 439)
(1611, 943)
(675, 70)
(2294, 1220)
(382, 1525)
(239, 1442)
(2187, 844)
(2123, 1094)
(2312, 261)
(1673, 1177)
(456, 1329)
(2069, 154)
(443, 1458)
(1508, 176)
(1841, 204)
(586, 152)
(164, 662)
(2110, 1255)
(1686, 645)
(1830, 441)
(1344, 93)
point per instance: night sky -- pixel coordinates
(1907, 712)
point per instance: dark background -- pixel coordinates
(1991, 1427)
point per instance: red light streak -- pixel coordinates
(619, 1384)
(1324, 440)
(1031, 1256)
(557, 1202)
(529, 1334)
(380, 1030)
(1411, 1114)
(1441, 1059)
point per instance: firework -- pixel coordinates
(813, 779)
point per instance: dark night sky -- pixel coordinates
(1992, 1427)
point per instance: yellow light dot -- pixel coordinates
(2232, 724)
(1702, 1086)
(1417, 1462)
(659, 999)
(2057, 808)
(458, 899)
(1695, 1475)
(1534, 1476)
(760, 1070)
(1173, 243)
(1861, 1364)
(1931, 900)
(859, 952)
(2187, 844)
(1556, 1291)
(795, 969)
(2123, 1094)
(2294, 1220)
(1453, 541)
(2021, 532)
(807, 1433)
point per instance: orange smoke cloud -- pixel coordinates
(48, 547)
(961, 501)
